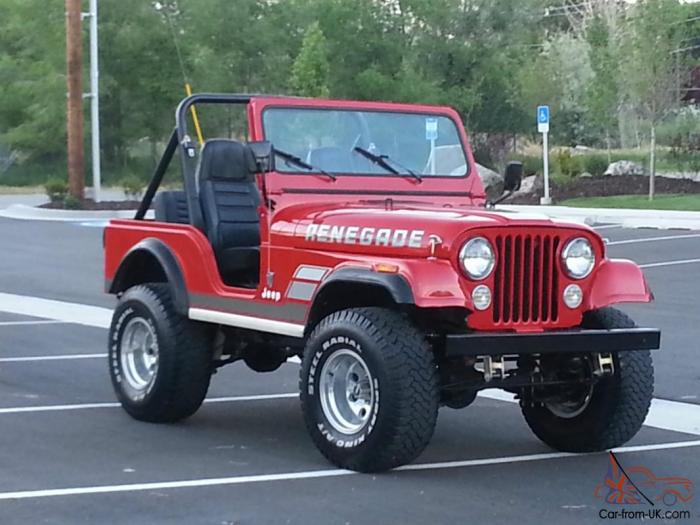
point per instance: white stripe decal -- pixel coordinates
(244, 321)
(315, 474)
(310, 273)
(301, 291)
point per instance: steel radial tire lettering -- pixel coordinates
(618, 405)
(184, 357)
(405, 392)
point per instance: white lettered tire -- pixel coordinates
(159, 361)
(369, 389)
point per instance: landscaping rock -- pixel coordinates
(492, 181)
(687, 175)
(531, 184)
(624, 167)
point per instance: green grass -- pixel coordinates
(683, 202)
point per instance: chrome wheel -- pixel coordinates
(347, 391)
(139, 354)
(571, 405)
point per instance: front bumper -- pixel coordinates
(555, 342)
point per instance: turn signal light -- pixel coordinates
(385, 268)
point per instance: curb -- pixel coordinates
(627, 218)
(31, 213)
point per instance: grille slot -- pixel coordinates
(526, 288)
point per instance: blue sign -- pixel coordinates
(543, 119)
(431, 129)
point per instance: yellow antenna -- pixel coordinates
(188, 87)
(195, 118)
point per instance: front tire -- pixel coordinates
(612, 412)
(160, 362)
(369, 389)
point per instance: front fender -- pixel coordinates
(435, 284)
(618, 281)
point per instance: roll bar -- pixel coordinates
(188, 155)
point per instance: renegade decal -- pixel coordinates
(367, 236)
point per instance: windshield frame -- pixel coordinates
(408, 111)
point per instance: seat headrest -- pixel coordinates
(226, 159)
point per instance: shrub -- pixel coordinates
(531, 165)
(56, 189)
(72, 203)
(567, 164)
(133, 187)
(594, 163)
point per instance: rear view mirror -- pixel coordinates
(513, 176)
(264, 154)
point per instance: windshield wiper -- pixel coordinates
(383, 161)
(296, 161)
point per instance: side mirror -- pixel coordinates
(513, 177)
(264, 154)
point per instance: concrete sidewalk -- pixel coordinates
(628, 218)
(24, 207)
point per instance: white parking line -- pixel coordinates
(668, 415)
(56, 310)
(655, 239)
(315, 474)
(669, 263)
(607, 227)
(663, 413)
(87, 406)
(23, 323)
(675, 416)
(33, 359)
(660, 415)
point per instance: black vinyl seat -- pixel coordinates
(171, 206)
(229, 199)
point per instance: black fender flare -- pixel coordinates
(167, 261)
(395, 284)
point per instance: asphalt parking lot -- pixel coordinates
(68, 454)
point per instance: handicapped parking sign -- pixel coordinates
(543, 119)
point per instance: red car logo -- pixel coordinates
(639, 484)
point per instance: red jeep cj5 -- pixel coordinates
(357, 236)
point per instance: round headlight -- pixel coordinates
(477, 258)
(481, 297)
(578, 258)
(573, 296)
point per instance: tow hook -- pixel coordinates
(603, 365)
(493, 367)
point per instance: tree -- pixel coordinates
(603, 91)
(656, 31)
(311, 69)
(32, 62)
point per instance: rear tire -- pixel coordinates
(160, 362)
(617, 406)
(369, 389)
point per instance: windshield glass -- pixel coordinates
(330, 140)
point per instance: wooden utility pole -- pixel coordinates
(74, 75)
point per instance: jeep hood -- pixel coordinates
(368, 229)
